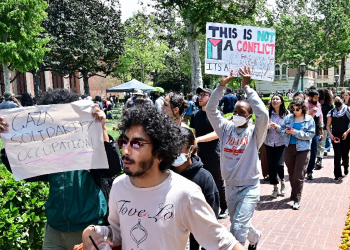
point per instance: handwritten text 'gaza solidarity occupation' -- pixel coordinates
(40, 119)
(246, 46)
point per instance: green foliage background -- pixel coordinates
(22, 214)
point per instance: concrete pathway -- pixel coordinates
(319, 222)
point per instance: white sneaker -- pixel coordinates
(296, 206)
(283, 188)
(274, 192)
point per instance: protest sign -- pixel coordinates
(53, 138)
(229, 47)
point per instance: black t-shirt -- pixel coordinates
(200, 122)
(325, 109)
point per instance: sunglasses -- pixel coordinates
(133, 143)
(297, 110)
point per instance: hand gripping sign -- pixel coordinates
(53, 138)
(229, 47)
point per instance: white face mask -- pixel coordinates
(182, 158)
(239, 120)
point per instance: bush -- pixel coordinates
(22, 214)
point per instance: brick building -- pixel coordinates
(24, 83)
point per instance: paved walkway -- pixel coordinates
(319, 222)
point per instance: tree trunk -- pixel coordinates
(86, 82)
(155, 78)
(6, 78)
(296, 81)
(37, 85)
(342, 72)
(196, 67)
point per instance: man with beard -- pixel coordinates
(209, 148)
(151, 207)
(315, 110)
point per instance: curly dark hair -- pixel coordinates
(58, 96)
(299, 102)
(283, 111)
(188, 139)
(164, 133)
(26, 100)
(178, 101)
(324, 95)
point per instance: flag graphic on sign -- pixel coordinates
(214, 48)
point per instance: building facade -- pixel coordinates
(24, 82)
(284, 78)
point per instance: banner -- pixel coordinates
(53, 138)
(229, 47)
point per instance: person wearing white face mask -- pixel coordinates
(240, 143)
(190, 166)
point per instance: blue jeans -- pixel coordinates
(313, 153)
(328, 143)
(241, 202)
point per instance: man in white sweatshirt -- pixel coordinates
(240, 143)
(151, 207)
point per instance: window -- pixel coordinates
(319, 71)
(319, 85)
(325, 72)
(336, 71)
(284, 71)
(277, 72)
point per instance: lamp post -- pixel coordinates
(302, 67)
(336, 77)
(182, 89)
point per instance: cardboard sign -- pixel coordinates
(53, 138)
(229, 47)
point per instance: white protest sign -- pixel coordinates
(53, 138)
(229, 47)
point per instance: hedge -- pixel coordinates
(22, 214)
(267, 99)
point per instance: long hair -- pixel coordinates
(324, 93)
(283, 111)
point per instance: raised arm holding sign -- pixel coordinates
(52, 140)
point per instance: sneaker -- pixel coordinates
(319, 162)
(309, 176)
(296, 206)
(283, 188)
(346, 171)
(325, 153)
(337, 179)
(267, 179)
(223, 214)
(274, 192)
(254, 246)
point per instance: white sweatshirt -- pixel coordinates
(163, 216)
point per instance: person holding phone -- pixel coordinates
(339, 119)
(299, 129)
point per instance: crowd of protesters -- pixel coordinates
(186, 165)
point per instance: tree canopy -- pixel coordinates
(86, 36)
(21, 47)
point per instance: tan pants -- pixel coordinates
(296, 162)
(56, 240)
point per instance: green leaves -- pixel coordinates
(21, 215)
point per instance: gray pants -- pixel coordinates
(321, 145)
(241, 202)
(56, 240)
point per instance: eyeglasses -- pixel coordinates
(202, 95)
(133, 143)
(297, 110)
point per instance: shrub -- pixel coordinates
(22, 214)
(267, 99)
